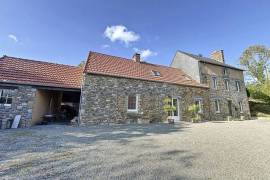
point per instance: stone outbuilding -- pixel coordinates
(34, 89)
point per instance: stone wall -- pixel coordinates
(104, 99)
(224, 95)
(22, 104)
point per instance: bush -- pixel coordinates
(260, 92)
(194, 112)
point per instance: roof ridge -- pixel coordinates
(111, 55)
(188, 53)
(39, 61)
(132, 60)
(204, 59)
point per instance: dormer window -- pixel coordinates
(156, 73)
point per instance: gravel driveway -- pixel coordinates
(211, 150)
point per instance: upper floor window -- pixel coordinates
(241, 106)
(6, 97)
(225, 71)
(226, 83)
(133, 103)
(214, 80)
(204, 79)
(156, 73)
(198, 103)
(217, 105)
(237, 84)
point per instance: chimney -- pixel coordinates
(218, 56)
(136, 57)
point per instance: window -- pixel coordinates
(237, 84)
(241, 106)
(204, 79)
(198, 103)
(156, 73)
(6, 97)
(217, 105)
(214, 82)
(225, 71)
(226, 82)
(132, 103)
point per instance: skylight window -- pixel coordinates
(156, 73)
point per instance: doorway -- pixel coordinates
(175, 114)
(230, 107)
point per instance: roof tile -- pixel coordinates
(25, 71)
(103, 64)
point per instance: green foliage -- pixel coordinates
(194, 112)
(259, 109)
(256, 60)
(167, 105)
(82, 64)
(260, 91)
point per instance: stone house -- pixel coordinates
(120, 90)
(228, 97)
(112, 89)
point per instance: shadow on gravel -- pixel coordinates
(120, 133)
(56, 151)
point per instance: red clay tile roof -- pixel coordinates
(103, 64)
(24, 71)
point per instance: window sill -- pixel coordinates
(5, 105)
(132, 111)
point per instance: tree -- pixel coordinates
(256, 60)
(82, 64)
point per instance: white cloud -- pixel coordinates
(105, 46)
(121, 33)
(13, 37)
(145, 53)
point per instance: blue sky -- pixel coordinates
(65, 31)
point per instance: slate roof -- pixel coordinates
(209, 61)
(103, 64)
(31, 72)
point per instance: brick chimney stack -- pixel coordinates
(218, 56)
(136, 57)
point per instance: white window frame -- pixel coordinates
(6, 98)
(200, 104)
(227, 84)
(214, 81)
(240, 106)
(137, 101)
(218, 105)
(237, 83)
(225, 72)
(156, 73)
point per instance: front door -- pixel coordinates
(230, 107)
(175, 113)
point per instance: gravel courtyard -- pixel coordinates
(211, 150)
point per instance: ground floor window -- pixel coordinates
(132, 103)
(241, 106)
(217, 105)
(6, 97)
(198, 103)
